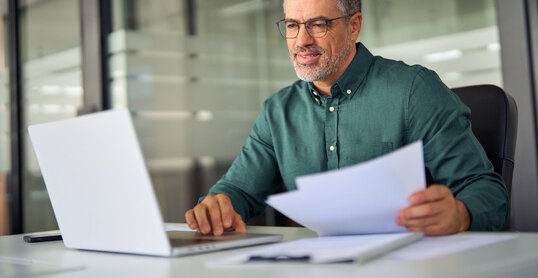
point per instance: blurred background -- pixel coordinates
(195, 73)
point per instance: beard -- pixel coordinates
(324, 67)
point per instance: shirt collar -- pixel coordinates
(314, 93)
(353, 76)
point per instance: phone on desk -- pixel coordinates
(42, 236)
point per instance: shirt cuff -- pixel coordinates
(481, 220)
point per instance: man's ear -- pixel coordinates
(355, 24)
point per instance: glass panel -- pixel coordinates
(51, 56)
(195, 77)
(457, 38)
(5, 146)
(195, 73)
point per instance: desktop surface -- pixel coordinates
(511, 258)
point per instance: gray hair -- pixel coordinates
(348, 7)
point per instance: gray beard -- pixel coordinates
(325, 69)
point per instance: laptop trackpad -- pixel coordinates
(185, 238)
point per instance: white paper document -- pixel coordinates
(19, 267)
(360, 199)
(432, 247)
(329, 249)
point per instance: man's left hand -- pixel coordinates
(434, 211)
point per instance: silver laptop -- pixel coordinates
(102, 194)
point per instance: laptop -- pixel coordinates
(102, 195)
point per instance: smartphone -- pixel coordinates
(42, 236)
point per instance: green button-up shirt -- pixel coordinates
(376, 106)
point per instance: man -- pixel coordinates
(348, 107)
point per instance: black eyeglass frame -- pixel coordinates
(309, 22)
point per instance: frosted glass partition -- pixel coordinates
(460, 59)
(5, 149)
(5, 146)
(193, 101)
(175, 79)
(52, 89)
(195, 75)
(390, 22)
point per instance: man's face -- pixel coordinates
(319, 59)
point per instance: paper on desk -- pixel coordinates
(21, 267)
(325, 249)
(360, 199)
(174, 227)
(432, 247)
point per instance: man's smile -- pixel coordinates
(307, 58)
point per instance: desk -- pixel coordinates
(512, 258)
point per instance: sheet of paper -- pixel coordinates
(19, 267)
(324, 249)
(171, 227)
(360, 199)
(432, 247)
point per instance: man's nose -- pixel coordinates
(303, 38)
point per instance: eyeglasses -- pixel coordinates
(316, 28)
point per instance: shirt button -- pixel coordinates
(348, 91)
(331, 148)
(331, 109)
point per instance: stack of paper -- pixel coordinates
(360, 199)
(330, 249)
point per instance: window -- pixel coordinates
(51, 57)
(457, 38)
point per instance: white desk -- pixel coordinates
(512, 258)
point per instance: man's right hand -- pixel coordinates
(215, 213)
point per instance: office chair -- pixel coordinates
(494, 123)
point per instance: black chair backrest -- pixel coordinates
(494, 123)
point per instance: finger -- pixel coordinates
(423, 210)
(420, 222)
(399, 221)
(191, 220)
(214, 213)
(437, 230)
(430, 194)
(238, 224)
(416, 230)
(200, 213)
(433, 230)
(226, 209)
